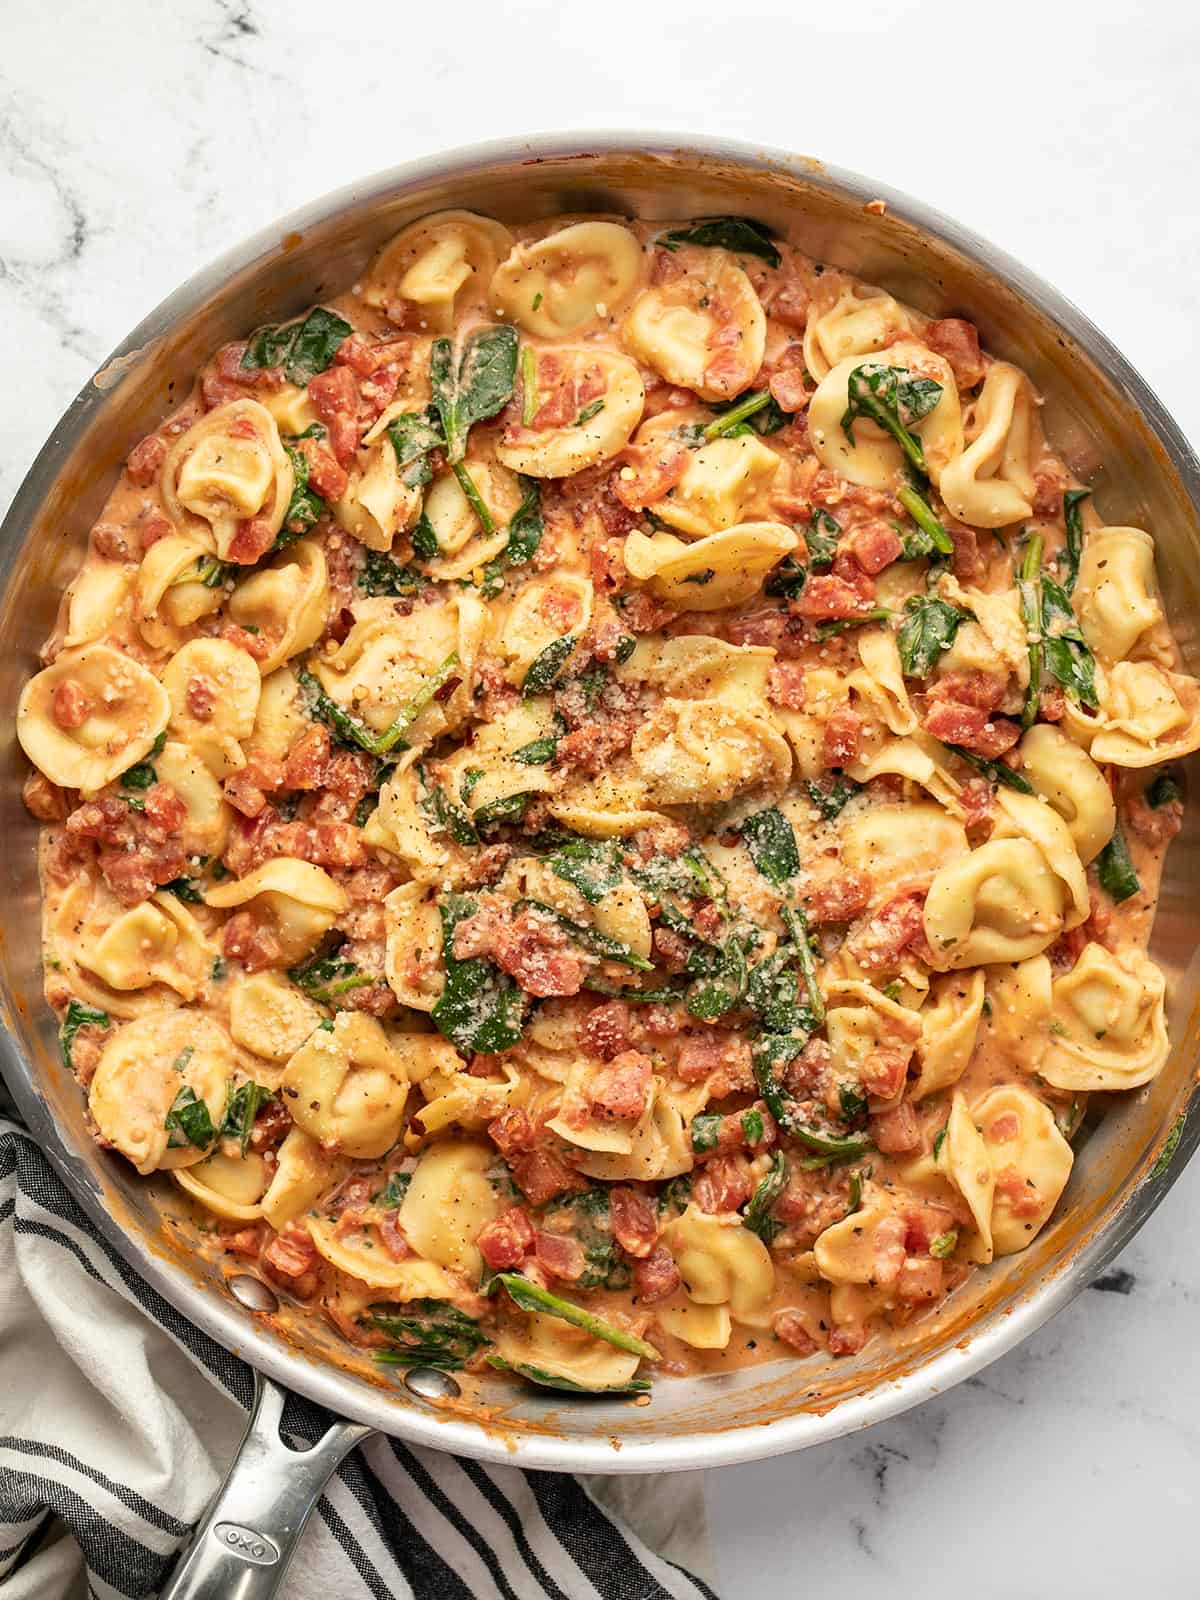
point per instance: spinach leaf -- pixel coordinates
(706, 1128)
(79, 1016)
(593, 866)
(753, 1128)
(730, 416)
(414, 434)
(787, 579)
(480, 385)
(758, 1216)
(1065, 654)
(302, 349)
(796, 924)
(424, 540)
(830, 630)
(921, 513)
(426, 1333)
(1031, 615)
(742, 235)
(1114, 867)
(537, 752)
(241, 1108)
(445, 815)
(1165, 789)
(393, 1192)
(599, 944)
(184, 889)
(894, 400)
(943, 1246)
(821, 536)
(528, 1296)
(481, 1008)
(324, 977)
(546, 666)
(996, 771)
(351, 731)
(586, 1216)
(527, 527)
(188, 1121)
(689, 874)
(1073, 519)
(772, 845)
(928, 628)
(773, 993)
(305, 507)
(509, 808)
(721, 978)
(852, 1103)
(592, 409)
(553, 1380)
(830, 795)
(381, 575)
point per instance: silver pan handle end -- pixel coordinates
(244, 1542)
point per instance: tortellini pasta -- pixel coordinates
(722, 569)
(1107, 1029)
(859, 1021)
(892, 842)
(549, 1346)
(860, 321)
(286, 602)
(303, 1173)
(346, 1087)
(361, 1256)
(1031, 1161)
(228, 467)
(386, 661)
(949, 1025)
(1073, 784)
(230, 1187)
(171, 592)
(1147, 715)
(213, 688)
(377, 503)
(448, 1201)
(965, 1159)
(862, 451)
(1116, 594)
(991, 483)
(271, 1017)
(115, 710)
(545, 610)
(697, 752)
(158, 941)
(96, 603)
(207, 817)
(298, 901)
(414, 946)
(600, 426)
(723, 484)
(706, 333)
(464, 543)
(563, 284)
(151, 1068)
(439, 264)
(1000, 902)
(721, 1262)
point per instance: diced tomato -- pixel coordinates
(606, 1030)
(785, 685)
(146, 459)
(841, 737)
(43, 800)
(921, 1279)
(896, 1131)
(655, 1277)
(888, 1247)
(634, 1224)
(1154, 825)
(290, 1254)
(620, 1089)
(892, 929)
(71, 704)
(826, 598)
(307, 760)
(541, 1175)
(974, 729)
(982, 689)
(325, 473)
(512, 1133)
(957, 342)
(648, 471)
(875, 546)
(840, 898)
(724, 1185)
(847, 1339)
(884, 1070)
(560, 1256)
(245, 1242)
(967, 563)
(1019, 1193)
(789, 1326)
(251, 942)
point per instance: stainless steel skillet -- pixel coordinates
(1114, 433)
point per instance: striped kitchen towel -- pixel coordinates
(118, 1419)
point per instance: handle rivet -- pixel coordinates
(253, 1293)
(428, 1383)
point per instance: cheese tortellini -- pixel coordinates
(563, 284)
(437, 265)
(706, 333)
(286, 603)
(151, 1071)
(723, 569)
(297, 901)
(862, 451)
(1031, 1161)
(990, 484)
(1116, 595)
(600, 426)
(226, 469)
(1107, 1029)
(116, 710)
(213, 688)
(346, 1087)
(721, 1263)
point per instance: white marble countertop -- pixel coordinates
(139, 140)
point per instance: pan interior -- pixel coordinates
(1113, 434)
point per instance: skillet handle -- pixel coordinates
(243, 1543)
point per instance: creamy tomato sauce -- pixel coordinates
(603, 798)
